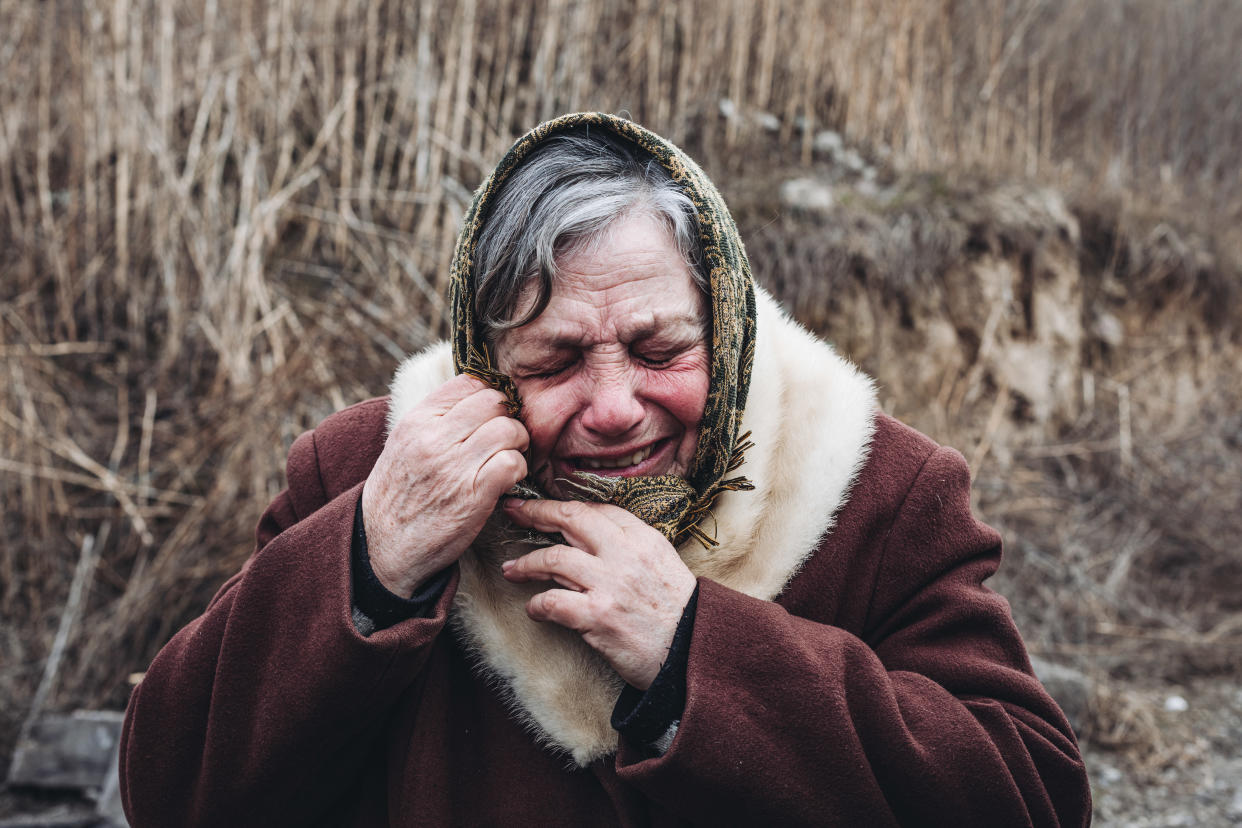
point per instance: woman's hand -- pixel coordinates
(624, 585)
(443, 469)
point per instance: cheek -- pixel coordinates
(681, 392)
(545, 411)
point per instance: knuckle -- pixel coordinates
(490, 431)
(490, 394)
(467, 382)
(548, 602)
(554, 556)
(515, 434)
(514, 463)
(569, 509)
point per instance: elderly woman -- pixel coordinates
(638, 551)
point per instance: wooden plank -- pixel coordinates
(74, 751)
(62, 816)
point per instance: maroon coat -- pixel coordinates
(885, 685)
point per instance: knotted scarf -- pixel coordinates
(676, 506)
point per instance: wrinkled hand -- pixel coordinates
(624, 585)
(443, 469)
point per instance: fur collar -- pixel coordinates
(811, 414)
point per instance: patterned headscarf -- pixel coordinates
(674, 505)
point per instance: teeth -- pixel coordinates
(619, 463)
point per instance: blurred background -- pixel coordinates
(221, 220)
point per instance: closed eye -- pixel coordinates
(655, 360)
(548, 371)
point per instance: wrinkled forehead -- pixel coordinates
(555, 331)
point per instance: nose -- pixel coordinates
(612, 406)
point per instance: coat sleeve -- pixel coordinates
(264, 710)
(929, 716)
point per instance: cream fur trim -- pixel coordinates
(811, 414)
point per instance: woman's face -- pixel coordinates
(614, 373)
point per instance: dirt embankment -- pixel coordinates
(1085, 363)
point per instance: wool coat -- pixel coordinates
(847, 665)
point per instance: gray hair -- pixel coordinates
(560, 201)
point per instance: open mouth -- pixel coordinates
(642, 461)
(594, 463)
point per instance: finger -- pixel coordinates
(562, 606)
(471, 412)
(567, 565)
(496, 434)
(585, 525)
(500, 473)
(452, 392)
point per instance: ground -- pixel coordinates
(1192, 776)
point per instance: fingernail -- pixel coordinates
(506, 565)
(513, 502)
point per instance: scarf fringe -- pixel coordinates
(479, 364)
(699, 511)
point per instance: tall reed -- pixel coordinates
(221, 219)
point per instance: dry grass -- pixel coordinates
(223, 219)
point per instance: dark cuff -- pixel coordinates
(643, 717)
(378, 607)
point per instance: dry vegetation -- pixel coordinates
(223, 219)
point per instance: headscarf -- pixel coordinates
(674, 505)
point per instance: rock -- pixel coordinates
(1070, 688)
(1176, 704)
(807, 194)
(867, 189)
(1109, 775)
(1108, 329)
(730, 112)
(1235, 806)
(852, 161)
(75, 751)
(768, 121)
(828, 142)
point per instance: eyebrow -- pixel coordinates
(642, 330)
